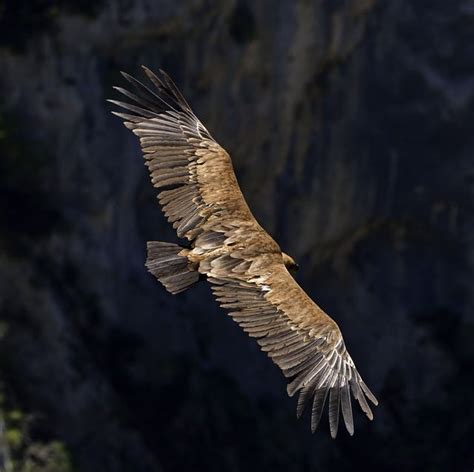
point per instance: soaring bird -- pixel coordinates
(248, 272)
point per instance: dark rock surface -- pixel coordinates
(350, 124)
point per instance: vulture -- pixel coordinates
(248, 272)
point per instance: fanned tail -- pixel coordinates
(168, 262)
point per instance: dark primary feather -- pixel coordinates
(318, 405)
(347, 409)
(334, 402)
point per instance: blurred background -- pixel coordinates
(350, 125)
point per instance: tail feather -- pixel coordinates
(169, 264)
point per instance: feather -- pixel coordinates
(307, 376)
(305, 392)
(318, 406)
(334, 402)
(127, 117)
(359, 396)
(347, 408)
(140, 111)
(368, 393)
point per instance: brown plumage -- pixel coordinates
(248, 272)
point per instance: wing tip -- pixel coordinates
(368, 393)
(164, 74)
(336, 404)
(149, 73)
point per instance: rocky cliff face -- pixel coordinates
(350, 127)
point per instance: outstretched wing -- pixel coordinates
(198, 187)
(295, 333)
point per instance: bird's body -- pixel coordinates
(246, 268)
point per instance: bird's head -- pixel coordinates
(290, 263)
